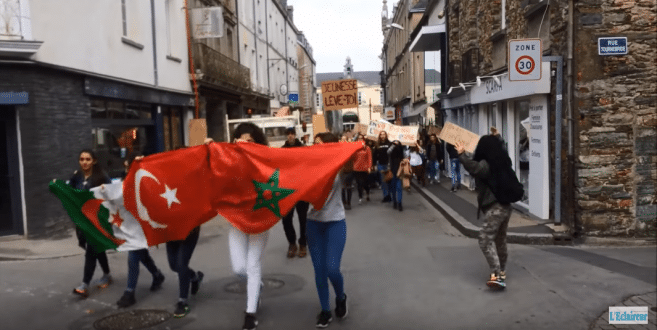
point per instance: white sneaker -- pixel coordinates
(360, 201)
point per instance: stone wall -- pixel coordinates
(616, 120)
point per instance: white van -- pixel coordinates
(274, 128)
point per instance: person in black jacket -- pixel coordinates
(455, 167)
(489, 159)
(396, 153)
(381, 161)
(302, 212)
(435, 157)
(90, 175)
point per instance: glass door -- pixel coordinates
(521, 108)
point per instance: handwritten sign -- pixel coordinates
(319, 124)
(452, 133)
(361, 128)
(407, 135)
(340, 94)
(198, 132)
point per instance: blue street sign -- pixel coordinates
(612, 46)
(293, 97)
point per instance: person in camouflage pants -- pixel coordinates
(490, 158)
(492, 237)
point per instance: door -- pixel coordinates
(10, 214)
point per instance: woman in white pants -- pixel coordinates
(246, 249)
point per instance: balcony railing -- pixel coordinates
(220, 67)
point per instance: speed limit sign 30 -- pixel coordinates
(525, 59)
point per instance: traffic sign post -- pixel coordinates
(525, 59)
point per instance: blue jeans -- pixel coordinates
(455, 167)
(396, 188)
(432, 165)
(326, 241)
(178, 254)
(384, 185)
(134, 257)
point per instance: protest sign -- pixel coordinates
(452, 133)
(319, 124)
(198, 132)
(361, 128)
(407, 135)
(340, 94)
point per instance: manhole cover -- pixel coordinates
(135, 319)
(269, 284)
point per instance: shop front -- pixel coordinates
(519, 110)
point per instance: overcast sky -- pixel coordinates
(340, 28)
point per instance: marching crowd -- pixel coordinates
(383, 164)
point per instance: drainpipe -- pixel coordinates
(267, 41)
(255, 40)
(154, 42)
(577, 227)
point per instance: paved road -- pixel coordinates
(408, 270)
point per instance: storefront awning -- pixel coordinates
(429, 38)
(416, 110)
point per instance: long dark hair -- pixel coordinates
(491, 149)
(97, 173)
(327, 137)
(378, 139)
(252, 129)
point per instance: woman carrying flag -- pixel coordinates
(326, 233)
(90, 175)
(246, 249)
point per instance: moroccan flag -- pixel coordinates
(171, 193)
(101, 216)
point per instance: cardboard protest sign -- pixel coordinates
(319, 124)
(198, 132)
(452, 133)
(340, 94)
(361, 128)
(407, 135)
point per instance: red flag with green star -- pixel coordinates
(250, 185)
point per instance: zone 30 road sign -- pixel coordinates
(525, 59)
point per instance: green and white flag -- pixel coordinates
(101, 215)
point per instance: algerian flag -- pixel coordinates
(101, 215)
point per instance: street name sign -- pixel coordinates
(525, 59)
(612, 46)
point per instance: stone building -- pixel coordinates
(307, 76)
(594, 167)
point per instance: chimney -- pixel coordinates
(290, 12)
(283, 3)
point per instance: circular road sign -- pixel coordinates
(525, 64)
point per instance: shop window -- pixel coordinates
(522, 152)
(114, 144)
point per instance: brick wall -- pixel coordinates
(55, 126)
(615, 100)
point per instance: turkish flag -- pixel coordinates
(170, 193)
(250, 185)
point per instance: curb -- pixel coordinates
(468, 229)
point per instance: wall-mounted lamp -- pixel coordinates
(395, 25)
(495, 78)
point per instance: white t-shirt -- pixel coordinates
(333, 209)
(416, 159)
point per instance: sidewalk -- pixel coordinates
(20, 248)
(460, 209)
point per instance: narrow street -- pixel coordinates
(408, 270)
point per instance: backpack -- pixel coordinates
(505, 186)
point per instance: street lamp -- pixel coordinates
(395, 25)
